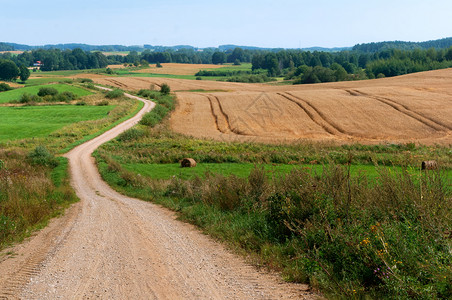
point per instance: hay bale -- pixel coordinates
(429, 165)
(188, 163)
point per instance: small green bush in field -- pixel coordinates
(4, 87)
(114, 94)
(41, 156)
(130, 135)
(44, 91)
(165, 89)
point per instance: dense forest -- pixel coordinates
(376, 47)
(297, 65)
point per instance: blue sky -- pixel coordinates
(202, 23)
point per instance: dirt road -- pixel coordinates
(110, 246)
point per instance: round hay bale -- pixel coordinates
(188, 163)
(429, 165)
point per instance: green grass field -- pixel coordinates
(43, 80)
(17, 93)
(37, 121)
(243, 170)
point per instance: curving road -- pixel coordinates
(110, 246)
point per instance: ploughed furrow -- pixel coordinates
(232, 123)
(117, 83)
(434, 124)
(313, 113)
(220, 120)
(144, 80)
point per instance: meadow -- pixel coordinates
(39, 121)
(353, 221)
(17, 93)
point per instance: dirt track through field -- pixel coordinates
(111, 246)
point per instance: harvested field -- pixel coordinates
(178, 69)
(12, 52)
(410, 108)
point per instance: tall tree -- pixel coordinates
(218, 58)
(24, 73)
(8, 70)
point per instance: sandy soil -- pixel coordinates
(111, 246)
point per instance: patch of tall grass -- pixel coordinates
(31, 191)
(344, 235)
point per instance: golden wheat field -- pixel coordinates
(410, 108)
(178, 69)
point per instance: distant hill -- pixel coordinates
(380, 46)
(120, 48)
(367, 47)
(322, 49)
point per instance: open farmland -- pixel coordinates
(409, 108)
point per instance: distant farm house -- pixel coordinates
(38, 63)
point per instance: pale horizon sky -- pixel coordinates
(203, 23)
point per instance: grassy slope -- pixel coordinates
(36, 121)
(17, 93)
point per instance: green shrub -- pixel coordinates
(45, 91)
(116, 93)
(150, 119)
(131, 135)
(165, 89)
(28, 98)
(81, 103)
(4, 87)
(85, 80)
(109, 71)
(41, 156)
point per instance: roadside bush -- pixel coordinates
(41, 156)
(90, 86)
(47, 91)
(117, 93)
(146, 93)
(131, 135)
(150, 119)
(5, 87)
(80, 103)
(165, 89)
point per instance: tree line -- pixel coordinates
(298, 65)
(55, 59)
(376, 47)
(315, 67)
